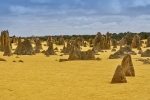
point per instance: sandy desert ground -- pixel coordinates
(45, 78)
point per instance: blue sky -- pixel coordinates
(60, 17)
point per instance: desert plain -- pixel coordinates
(45, 78)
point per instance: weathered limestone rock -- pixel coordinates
(146, 53)
(61, 40)
(148, 42)
(76, 54)
(67, 48)
(50, 50)
(119, 75)
(123, 51)
(24, 48)
(114, 43)
(38, 45)
(7, 50)
(127, 66)
(4, 39)
(136, 41)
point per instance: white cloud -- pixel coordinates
(29, 25)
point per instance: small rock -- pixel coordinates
(43, 51)
(56, 48)
(20, 61)
(61, 60)
(61, 54)
(2, 59)
(47, 55)
(98, 58)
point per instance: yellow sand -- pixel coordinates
(44, 78)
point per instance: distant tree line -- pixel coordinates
(117, 36)
(143, 35)
(86, 37)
